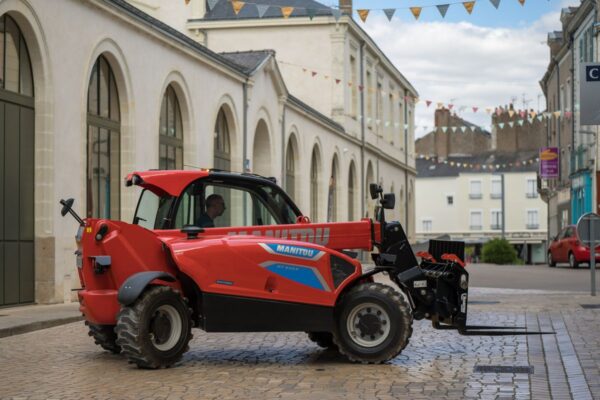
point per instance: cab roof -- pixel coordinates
(173, 182)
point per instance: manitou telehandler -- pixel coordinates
(231, 252)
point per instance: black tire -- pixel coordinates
(323, 339)
(104, 336)
(573, 261)
(154, 332)
(551, 262)
(373, 323)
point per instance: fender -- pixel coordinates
(131, 289)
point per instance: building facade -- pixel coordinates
(120, 91)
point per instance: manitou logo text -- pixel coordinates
(318, 235)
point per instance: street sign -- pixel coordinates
(588, 231)
(549, 162)
(589, 94)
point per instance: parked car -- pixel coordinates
(566, 247)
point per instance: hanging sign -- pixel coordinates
(549, 162)
(589, 85)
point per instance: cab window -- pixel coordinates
(152, 211)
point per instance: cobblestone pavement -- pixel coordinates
(63, 363)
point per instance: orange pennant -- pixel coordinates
(286, 11)
(469, 6)
(363, 14)
(416, 11)
(522, 2)
(237, 6)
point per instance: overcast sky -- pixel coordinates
(480, 60)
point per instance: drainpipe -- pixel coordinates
(283, 175)
(362, 130)
(245, 126)
(406, 162)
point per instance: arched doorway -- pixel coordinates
(261, 153)
(103, 143)
(370, 203)
(290, 167)
(170, 154)
(16, 167)
(351, 191)
(315, 173)
(222, 145)
(332, 200)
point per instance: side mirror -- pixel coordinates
(389, 201)
(375, 189)
(66, 206)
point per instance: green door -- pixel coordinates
(16, 168)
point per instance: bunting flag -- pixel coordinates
(428, 102)
(495, 3)
(237, 6)
(443, 9)
(389, 13)
(469, 6)
(311, 12)
(286, 11)
(416, 11)
(337, 13)
(212, 4)
(337, 81)
(522, 2)
(363, 14)
(262, 9)
(475, 109)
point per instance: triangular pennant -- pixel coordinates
(428, 102)
(237, 6)
(360, 87)
(522, 2)
(337, 81)
(463, 129)
(556, 114)
(311, 13)
(440, 105)
(405, 126)
(511, 113)
(469, 6)
(540, 118)
(212, 4)
(363, 14)
(444, 129)
(522, 114)
(475, 109)
(313, 73)
(337, 13)
(488, 110)
(453, 129)
(443, 9)
(262, 9)
(521, 122)
(389, 13)
(496, 3)
(416, 11)
(386, 124)
(450, 106)
(501, 125)
(511, 124)
(286, 11)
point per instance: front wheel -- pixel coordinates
(154, 332)
(551, 262)
(374, 323)
(573, 261)
(104, 336)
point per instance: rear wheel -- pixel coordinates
(573, 261)
(154, 332)
(322, 339)
(104, 336)
(374, 323)
(551, 262)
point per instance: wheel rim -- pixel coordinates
(368, 324)
(572, 260)
(165, 327)
(549, 258)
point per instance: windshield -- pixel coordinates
(153, 211)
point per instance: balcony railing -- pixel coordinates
(496, 227)
(532, 195)
(533, 226)
(476, 227)
(495, 195)
(475, 195)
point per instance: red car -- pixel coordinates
(566, 247)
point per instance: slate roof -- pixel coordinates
(250, 60)
(223, 10)
(433, 168)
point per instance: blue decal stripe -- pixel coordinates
(303, 275)
(306, 253)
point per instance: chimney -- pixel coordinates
(346, 7)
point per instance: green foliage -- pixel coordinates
(499, 251)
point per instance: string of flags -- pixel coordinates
(479, 166)
(286, 11)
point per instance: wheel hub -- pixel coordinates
(166, 327)
(368, 325)
(160, 327)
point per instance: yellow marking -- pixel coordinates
(88, 229)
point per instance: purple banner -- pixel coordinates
(549, 159)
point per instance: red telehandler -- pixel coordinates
(257, 264)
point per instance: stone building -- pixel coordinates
(92, 90)
(517, 130)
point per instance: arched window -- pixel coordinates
(170, 132)
(222, 144)
(103, 143)
(351, 194)
(290, 170)
(332, 201)
(17, 167)
(314, 186)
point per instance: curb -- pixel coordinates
(36, 326)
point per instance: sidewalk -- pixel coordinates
(18, 320)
